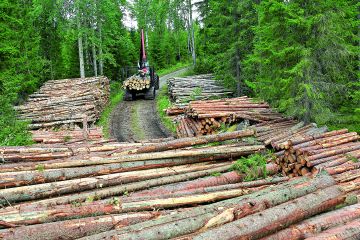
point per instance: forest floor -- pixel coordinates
(138, 120)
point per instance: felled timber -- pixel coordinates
(305, 153)
(66, 102)
(197, 87)
(136, 82)
(311, 227)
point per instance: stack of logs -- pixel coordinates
(145, 192)
(195, 88)
(66, 102)
(206, 116)
(304, 154)
(136, 82)
(66, 136)
(303, 149)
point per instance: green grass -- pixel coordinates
(173, 68)
(135, 122)
(163, 102)
(14, 132)
(116, 96)
(215, 174)
(253, 166)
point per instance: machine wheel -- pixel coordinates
(128, 96)
(150, 94)
(156, 81)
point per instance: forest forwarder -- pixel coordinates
(145, 81)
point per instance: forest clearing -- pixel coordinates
(172, 119)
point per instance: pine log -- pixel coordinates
(317, 224)
(205, 217)
(188, 142)
(348, 231)
(39, 191)
(77, 228)
(273, 219)
(119, 190)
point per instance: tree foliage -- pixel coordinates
(54, 39)
(300, 55)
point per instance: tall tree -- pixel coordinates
(305, 56)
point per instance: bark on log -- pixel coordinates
(119, 190)
(188, 142)
(270, 220)
(205, 217)
(40, 191)
(77, 228)
(317, 224)
(349, 231)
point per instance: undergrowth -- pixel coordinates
(116, 96)
(253, 166)
(163, 102)
(13, 132)
(135, 122)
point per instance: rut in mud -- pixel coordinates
(138, 120)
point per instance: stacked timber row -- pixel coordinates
(218, 207)
(206, 116)
(67, 136)
(304, 154)
(195, 88)
(151, 190)
(136, 82)
(276, 133)
(66, 102)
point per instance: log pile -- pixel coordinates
(276, 133)
(136, 82)
(60, 183)
(306, 153)
(197, 87)
(152, 190)
(66, 136)
(207, 116)
(66, 102)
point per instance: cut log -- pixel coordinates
(40, 191)
(77, 228)
(236, 208)
(278, 217)
(349, 231)
(317, 224)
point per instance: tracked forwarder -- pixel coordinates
(144, 81)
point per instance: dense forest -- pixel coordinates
(301, 56)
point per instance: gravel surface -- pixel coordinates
(138, 120)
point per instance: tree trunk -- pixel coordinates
(310, 227)
(192, 32)
(120, 189)
(77, 228)
(192, 141)
(80, 46)
(220, 150)
(208, 216)
(94, 60)
(278, 217)
(45, 190)
(349, 231)
(101, 60)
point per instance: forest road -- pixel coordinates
(133, 121)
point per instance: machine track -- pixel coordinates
(138, 120)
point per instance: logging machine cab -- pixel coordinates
(144, 70)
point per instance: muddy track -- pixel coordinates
(138, 120)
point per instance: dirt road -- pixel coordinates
(138, 120)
